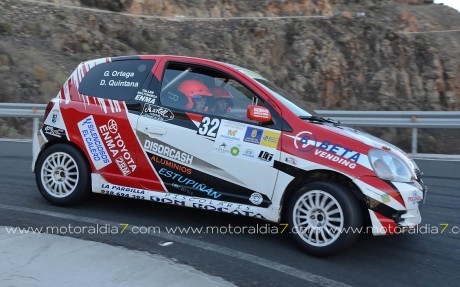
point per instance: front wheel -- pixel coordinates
(63, 175)
(325, 218)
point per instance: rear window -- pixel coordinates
(119, 80)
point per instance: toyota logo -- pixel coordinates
(112, 126)
(305, 141)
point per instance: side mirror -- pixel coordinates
(259, 114)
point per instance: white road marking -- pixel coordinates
(288, 270)
(164, 244)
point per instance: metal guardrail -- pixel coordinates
(22, 110)
(398, 119)
(16, 110)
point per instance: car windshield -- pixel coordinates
(283, 96)
(277, 92)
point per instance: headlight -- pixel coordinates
(389, 167)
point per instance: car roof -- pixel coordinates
(175, 57)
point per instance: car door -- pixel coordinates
(204, 153)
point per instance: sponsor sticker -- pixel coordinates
(55, 132)
(122, 191)
(385, 198)
(182, 189)
(253, 135)
(231, 131)
(207, 204)
(181, 199)
(291, 160)
(246, 142)
(265, 156)
(171, 164)
(256, 198)
(117, 147)
(306, 141)
(270, 138)
(93, 143)
(221, 148)
(338, 154)
(55, 116)
(261, 112)
(188, 183)
(234, 151)
(146, 96)
(122, 165)
(415, 197)
(157, 113)
(250, 153)
(167, 151)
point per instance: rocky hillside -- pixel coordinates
(373, 55)
(208, 8)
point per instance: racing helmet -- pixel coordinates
(193, 89)
(219, 93)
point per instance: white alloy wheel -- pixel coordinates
(322, 214)
(59, 174)
(63, 175)
(318, 218)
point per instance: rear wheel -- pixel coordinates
(63, 175)
(325, 218)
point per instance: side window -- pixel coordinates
(118, 80)
(204, 91)
(230, 98)
(170, 95)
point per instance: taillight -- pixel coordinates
(48, 110)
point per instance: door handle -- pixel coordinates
(155, 130)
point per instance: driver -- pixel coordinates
(222, 101)
(197, 94)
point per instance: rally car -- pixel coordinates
(215, 136)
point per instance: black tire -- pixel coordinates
(322, 218)
(63, 175)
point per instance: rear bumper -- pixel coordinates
(37, 143)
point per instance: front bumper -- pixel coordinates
(394, 207)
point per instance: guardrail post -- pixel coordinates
(35, 127)
(414, 141)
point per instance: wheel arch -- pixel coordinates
(49, 144)
(321, 175)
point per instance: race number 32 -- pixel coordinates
(208, 127)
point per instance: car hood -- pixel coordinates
(369, 140)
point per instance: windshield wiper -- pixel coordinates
(317, 119)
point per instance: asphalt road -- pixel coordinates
(429, 258)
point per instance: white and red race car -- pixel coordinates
(214, 136)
